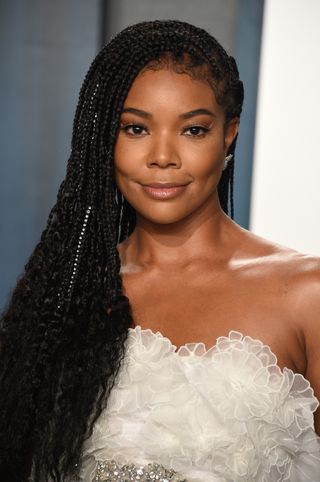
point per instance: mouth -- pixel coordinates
(165, 184)
(164, 190)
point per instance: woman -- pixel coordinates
(100, 378)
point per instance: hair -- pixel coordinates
(64, 328)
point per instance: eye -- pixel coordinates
(196, 131)
(134, 129)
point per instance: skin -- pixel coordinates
(189, 271)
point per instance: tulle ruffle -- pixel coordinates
(224, 414)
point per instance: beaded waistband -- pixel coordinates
(110, 471)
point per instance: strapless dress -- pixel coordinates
(224, 414)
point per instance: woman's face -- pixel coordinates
(171, 131)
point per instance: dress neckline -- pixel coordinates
(199, 348)
(234, 340)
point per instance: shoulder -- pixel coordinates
(281, 262)
(291, 277)
(295, 274)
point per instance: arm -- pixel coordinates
(310, 320)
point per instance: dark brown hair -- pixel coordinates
(64, 328)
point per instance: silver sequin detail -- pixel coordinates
(110, 471)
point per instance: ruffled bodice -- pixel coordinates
(218, 415)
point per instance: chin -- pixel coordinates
(162, 218)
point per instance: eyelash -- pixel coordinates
(125, 128)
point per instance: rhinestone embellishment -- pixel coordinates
(110, 471)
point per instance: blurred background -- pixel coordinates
(47, 47)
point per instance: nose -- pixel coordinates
(164, 152)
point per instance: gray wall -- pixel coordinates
(219, 17)
(46, 48)
(247, 54)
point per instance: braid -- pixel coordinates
(67, 313)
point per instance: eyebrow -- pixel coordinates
(186, 115)
(193, 113)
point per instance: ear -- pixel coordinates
(231, 132)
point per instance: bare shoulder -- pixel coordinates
(296, 274)
(281, 261)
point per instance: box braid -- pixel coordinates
(64, 329)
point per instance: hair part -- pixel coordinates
(65, 326)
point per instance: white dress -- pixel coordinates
(224, 414)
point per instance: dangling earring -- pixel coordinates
(227, 160)
(117, 196)
(121, 203)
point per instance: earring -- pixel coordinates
(121, 203)
(227, 160)
(117, 196)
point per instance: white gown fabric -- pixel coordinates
(218, 415)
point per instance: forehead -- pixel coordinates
(167, 88)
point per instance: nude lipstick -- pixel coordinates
(164, 190)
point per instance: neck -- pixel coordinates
(202, 235)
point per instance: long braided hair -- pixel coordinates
(64, 329)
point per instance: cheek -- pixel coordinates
(123, 162)
(120, 154)
(128, 157)
(203, 160)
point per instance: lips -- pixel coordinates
(164, 184)
(164, 190)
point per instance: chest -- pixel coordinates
(201, 308)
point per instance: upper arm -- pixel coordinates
(313, 370)
(310, 319)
